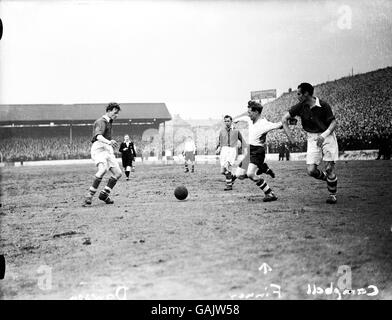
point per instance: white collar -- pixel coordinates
(317, 103)
(106, 118)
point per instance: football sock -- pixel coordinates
(127, 174)
(229, 179)
(111, 183)
(186, 167)
(332, 184)
(263, 186)
(320, 175)
(270, 172)
(104, 194)
(264, 168)
(95, 185)
(193, 167)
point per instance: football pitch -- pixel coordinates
(214, 245)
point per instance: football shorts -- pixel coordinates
(227, 156)
(329, 151)
(103, 153)
(257, 155)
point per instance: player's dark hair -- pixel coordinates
(113, 105)
(306, 87)
(228, 117)
(255, 106)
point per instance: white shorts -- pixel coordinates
(240, 173)
(227, 157)
(328, 152)
(104, 153)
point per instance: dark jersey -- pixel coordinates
(229, 138)
(316, 119)
(103, 127)
(130, 149)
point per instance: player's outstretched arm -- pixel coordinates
(242, 118)
(286, 129)
(274, 126)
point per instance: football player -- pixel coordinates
(227, 149)
(319, 123)
(102, 153)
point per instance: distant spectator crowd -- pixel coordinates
(54, 148)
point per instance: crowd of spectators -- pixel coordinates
(52, 148)
(362, 105)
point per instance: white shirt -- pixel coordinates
(256, 130)
(189, 146)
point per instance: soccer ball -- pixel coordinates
(240, 173)
(181, 193)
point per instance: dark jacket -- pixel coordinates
(127, 155)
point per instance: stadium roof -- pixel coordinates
(79, 113)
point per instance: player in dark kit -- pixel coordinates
(128, 155)
(319, 123)
(227, 149)
(102, 153)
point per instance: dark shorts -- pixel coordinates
(127, 161)
(257, 155)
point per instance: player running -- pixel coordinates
(319, 123)
(227, 149)
(102, 154)
(258, 129)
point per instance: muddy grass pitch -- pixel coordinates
(214, 245)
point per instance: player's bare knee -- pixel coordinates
(330, 170)
(116, 174)
(101, 172)
(312, 171)
(102, 169)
